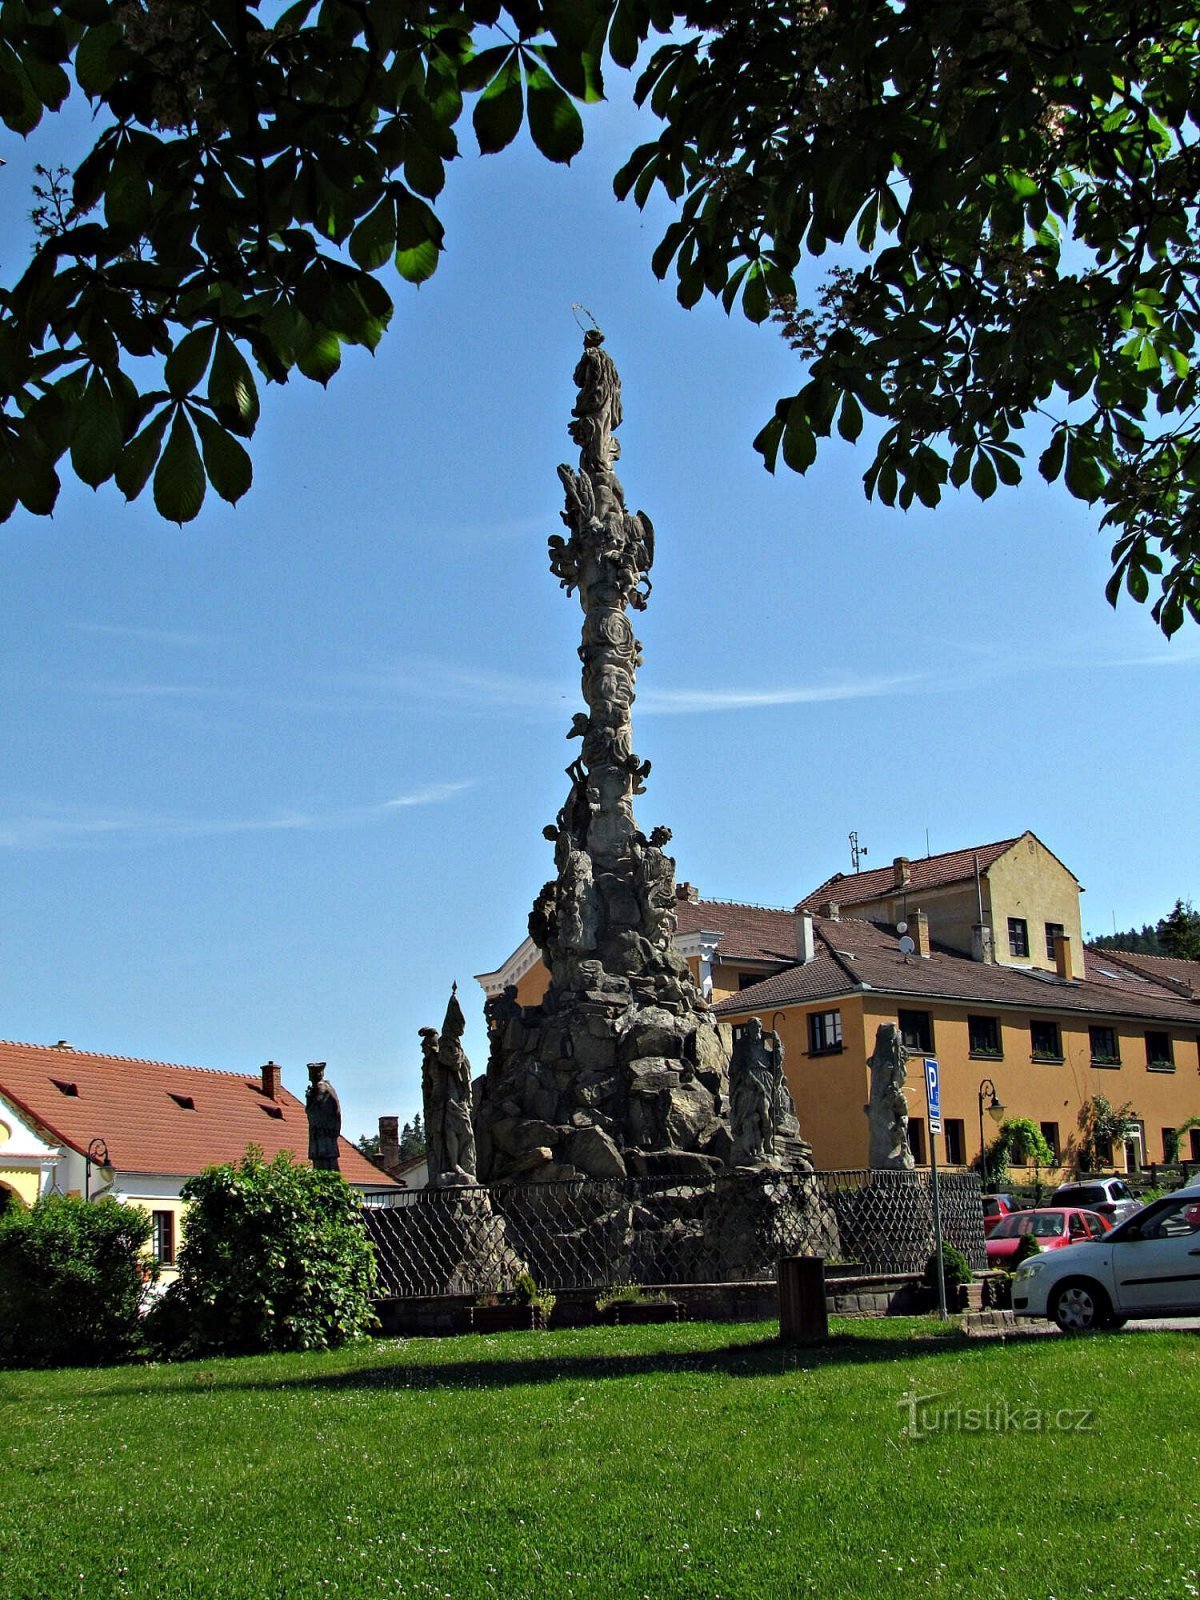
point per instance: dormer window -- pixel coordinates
(184, 1101)
(63, 1087)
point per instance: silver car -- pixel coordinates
(1111, 1197)
(1148, 1266)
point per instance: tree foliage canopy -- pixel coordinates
(73, 1280)
(274, 1257)
(1012, 188)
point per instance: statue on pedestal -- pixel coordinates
(887, 1110)
(324, 1112)
(758, 1096)
(446, 1093)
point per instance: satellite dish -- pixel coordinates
(907, 946)
(902, 927)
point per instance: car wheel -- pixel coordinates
(1081, 1307)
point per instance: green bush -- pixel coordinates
(956, 1268)
(274, 1257)
(1027, 1246)
(72, 1282)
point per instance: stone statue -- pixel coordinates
(621, 1058)
(887, 1110)
(446, 1094)
(756, 1094)
(324, 1114)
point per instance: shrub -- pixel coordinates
(72, 1282)
(1027, 1246)
(274, 1257)
(956, 1268)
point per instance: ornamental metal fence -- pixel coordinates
(591, 1234)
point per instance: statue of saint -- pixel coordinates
(887, 1110)
(324, 1114)
(755, 1087)
(446, 1092)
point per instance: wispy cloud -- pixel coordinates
(50, 830)
(440, 682)
(668, 702)
(173, 638)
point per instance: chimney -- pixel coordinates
(981, 944)
(688, 892)
(389, 1144)
(919, 923)
(901, 872)
(830, 910)
(1064, 956)
(270, 1079)
(806, 948)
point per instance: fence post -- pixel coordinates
(803, 1315)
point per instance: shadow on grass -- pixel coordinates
(765, 1357)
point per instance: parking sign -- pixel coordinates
(933, 1094)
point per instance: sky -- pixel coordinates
(276, 780)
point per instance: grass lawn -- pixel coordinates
(692, 1461)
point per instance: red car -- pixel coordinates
(995, 1208)
(1051, 1226)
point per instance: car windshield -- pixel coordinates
(1042, 1225)
(1084, 1195)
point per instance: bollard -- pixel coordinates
(803, 1316)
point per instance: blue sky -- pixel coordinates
(277, 779)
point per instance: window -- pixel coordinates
(1195, 1141)
(916, 1029)
(984, 1036)
(1050, 1134)
(1018, 936)
(1053, 929)
(1044, 1041)
(162, 1236)
(956, 1142)
(916, 1139)
(1106, 1052)
(1158, 1052)
(824, 1032)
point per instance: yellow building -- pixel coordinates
(997, 986)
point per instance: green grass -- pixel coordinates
(693, 1460)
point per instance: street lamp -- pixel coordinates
(97, 1155)
(995, 1110)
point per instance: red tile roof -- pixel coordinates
(925, 872)
(748, 933)
(155, 1117)
(1173, 971)
(854, 954)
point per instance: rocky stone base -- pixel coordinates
(603, 1086)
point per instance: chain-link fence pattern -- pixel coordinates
(588, 1234)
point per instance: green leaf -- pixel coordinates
(374, 239)
(1051, 462)
(1008, 469)
(96, 61)
(498, 113)
(554, 124)
(37, 481)
(96, 443)
(228, 466)
(188, 362)
(231, 390)
(1084, 476)
(179, 482)
(983, 476)
(799, 442)
(320, 355)
(418, 240)
(139, 456)
(1137, 582)
(768, 441)
(850, 418)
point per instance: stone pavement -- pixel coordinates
(1005, 1325)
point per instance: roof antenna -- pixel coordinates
(856, 851)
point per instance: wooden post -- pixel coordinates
(803, 1316)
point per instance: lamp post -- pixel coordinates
(995, 1110)
(97, 1155)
